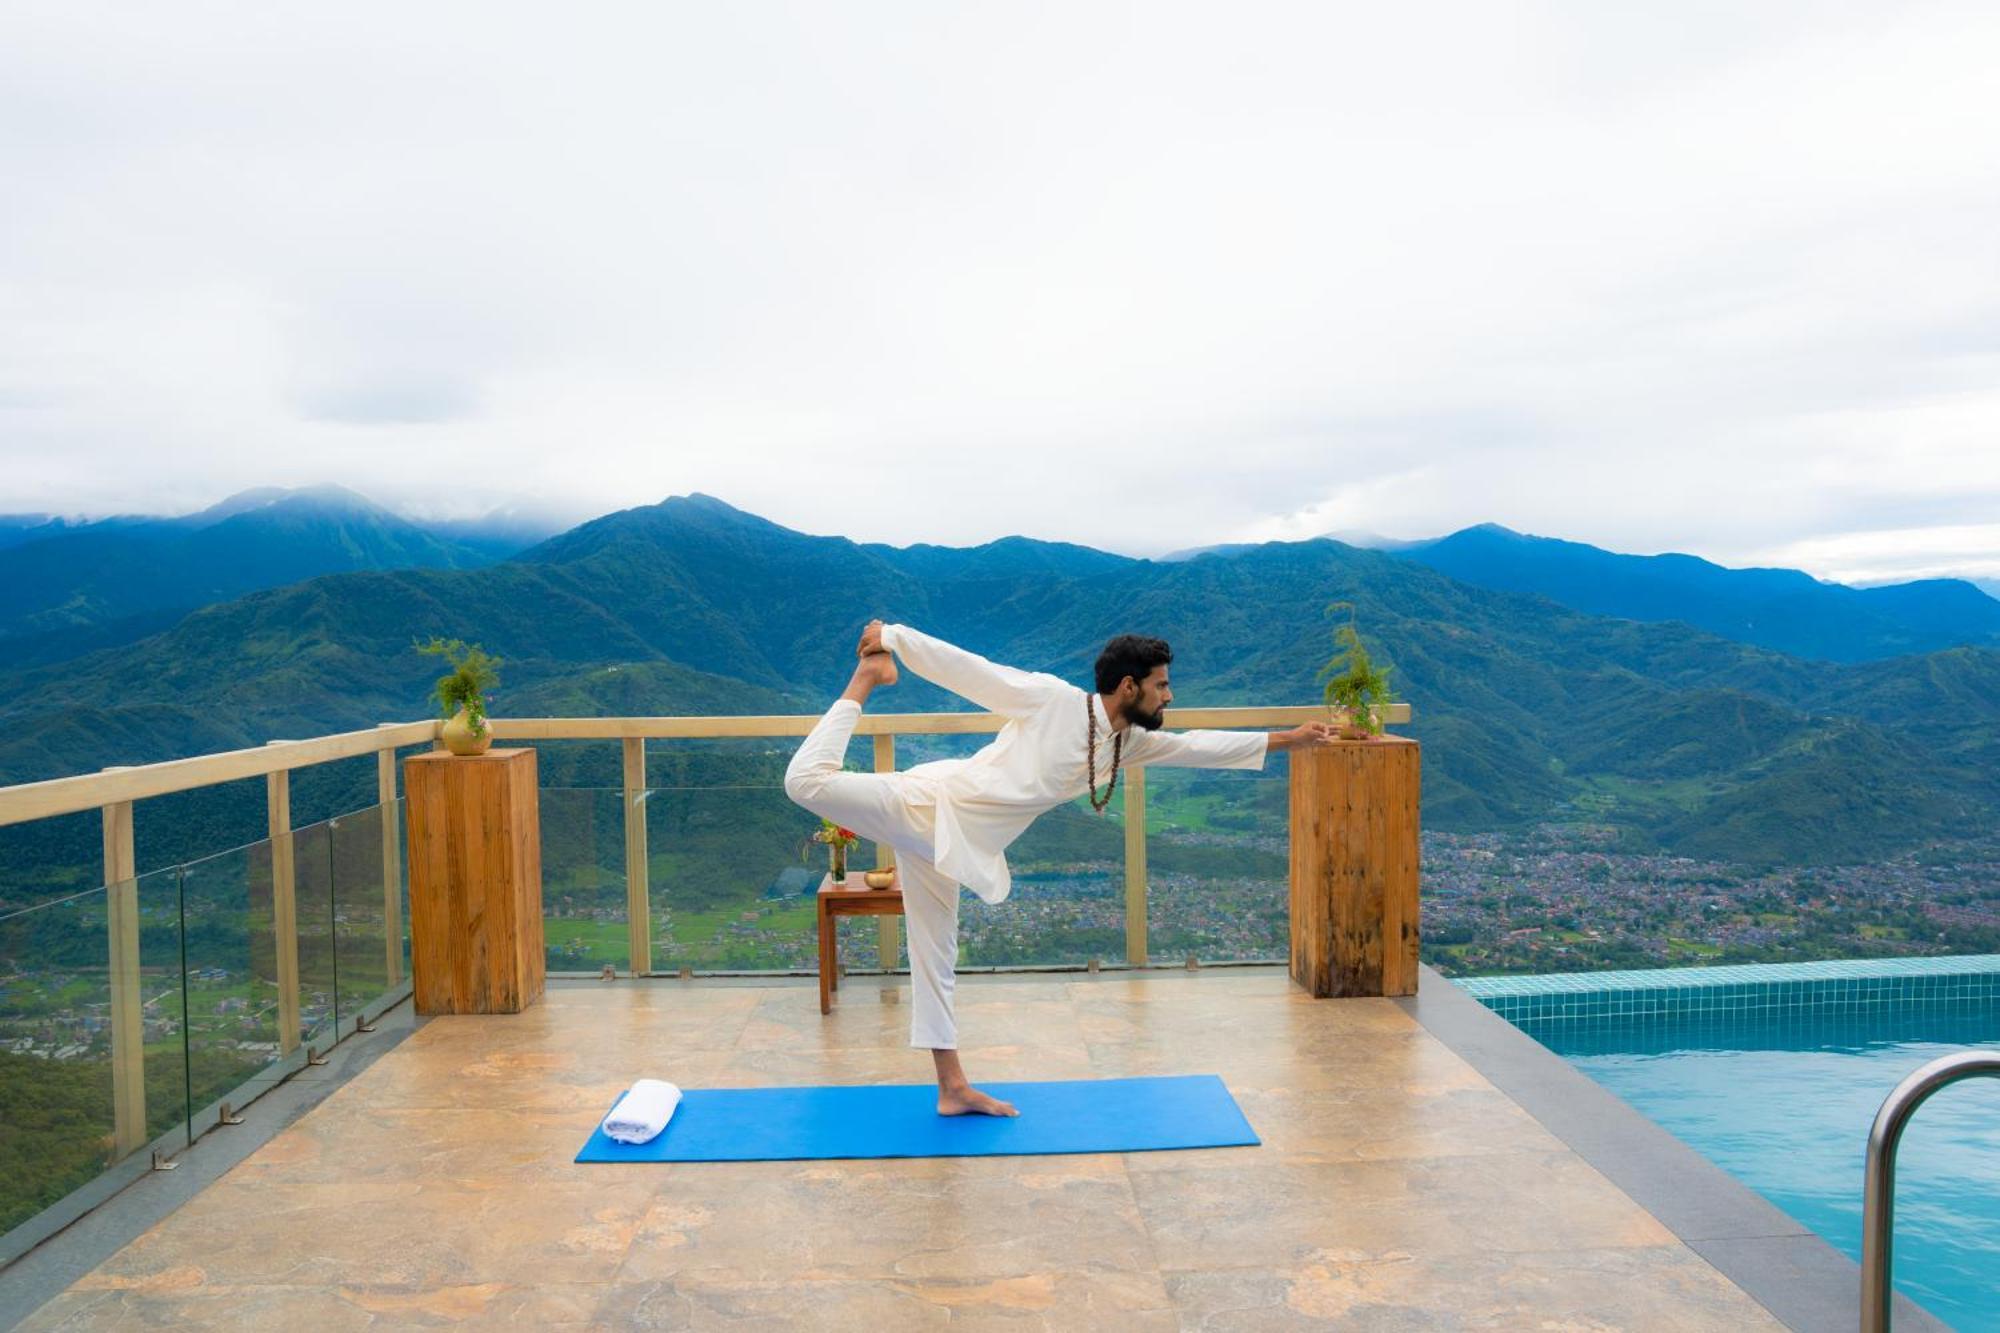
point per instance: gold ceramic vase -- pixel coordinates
(457, 736)
(1351, 727)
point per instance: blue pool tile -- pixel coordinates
(1857, 985)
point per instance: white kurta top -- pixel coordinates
(1037, 762)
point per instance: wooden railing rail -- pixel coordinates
(93, 791)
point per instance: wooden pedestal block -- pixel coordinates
(1354, 867)
(475, 882)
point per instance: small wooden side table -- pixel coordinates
(836, 903)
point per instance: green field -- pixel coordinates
(1635, 797)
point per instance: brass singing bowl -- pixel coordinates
(880, 879)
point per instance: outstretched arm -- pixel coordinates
(1223, 749)
(994, 687)
(1197, 749)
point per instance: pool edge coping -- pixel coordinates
(1790, 1270)
(1508, 985)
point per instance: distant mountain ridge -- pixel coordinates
(1782, 609)
(66, 588)
(1529, 710)
(1369, 541)
(18, 528)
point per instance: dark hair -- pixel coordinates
(1132, 655)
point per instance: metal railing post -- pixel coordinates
(888, 930)
(284, 903)
(638, 903)
(1878, 1198)
(128, 1016)
(1135, 867)
(392, 862)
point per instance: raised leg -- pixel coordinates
(872, 804)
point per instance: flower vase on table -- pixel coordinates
(837, 839)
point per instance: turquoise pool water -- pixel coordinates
(1777, 1080)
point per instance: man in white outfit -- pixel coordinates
(951, 820)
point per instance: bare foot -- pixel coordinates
(969, 1100)
(881, 664)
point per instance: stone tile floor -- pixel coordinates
(1395, 1189)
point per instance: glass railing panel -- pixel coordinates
(576, 765)
(336, 788)
(179, 827)
(1218, 867)
(55, 1053)
(163, 1002)
(59, 1126)
(234, 1042)
(731, 878)
(44, 860)
(369, 893)
(1067, 904)
(583, 878)
(312, 851)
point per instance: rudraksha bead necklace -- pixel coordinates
(1117, 749)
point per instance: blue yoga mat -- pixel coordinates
(901, 1120)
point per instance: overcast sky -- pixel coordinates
(1712, 277)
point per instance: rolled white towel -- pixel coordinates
(643, 1112)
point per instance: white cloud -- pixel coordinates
(1699, 278)
(1956, 551)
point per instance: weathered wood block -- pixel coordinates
(1354, 867)
(475, 882)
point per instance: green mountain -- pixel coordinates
(1781, 609)
(18, 528)
(66, 589)
(1528, 710)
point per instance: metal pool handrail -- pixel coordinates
(1878, 1200)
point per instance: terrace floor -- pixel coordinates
(1396, 1187)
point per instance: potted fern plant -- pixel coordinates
(1355, 686)
(461, 694)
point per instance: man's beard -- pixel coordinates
(1150, 721)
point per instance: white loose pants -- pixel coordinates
(898, 809)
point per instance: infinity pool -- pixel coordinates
(1775, 1073)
